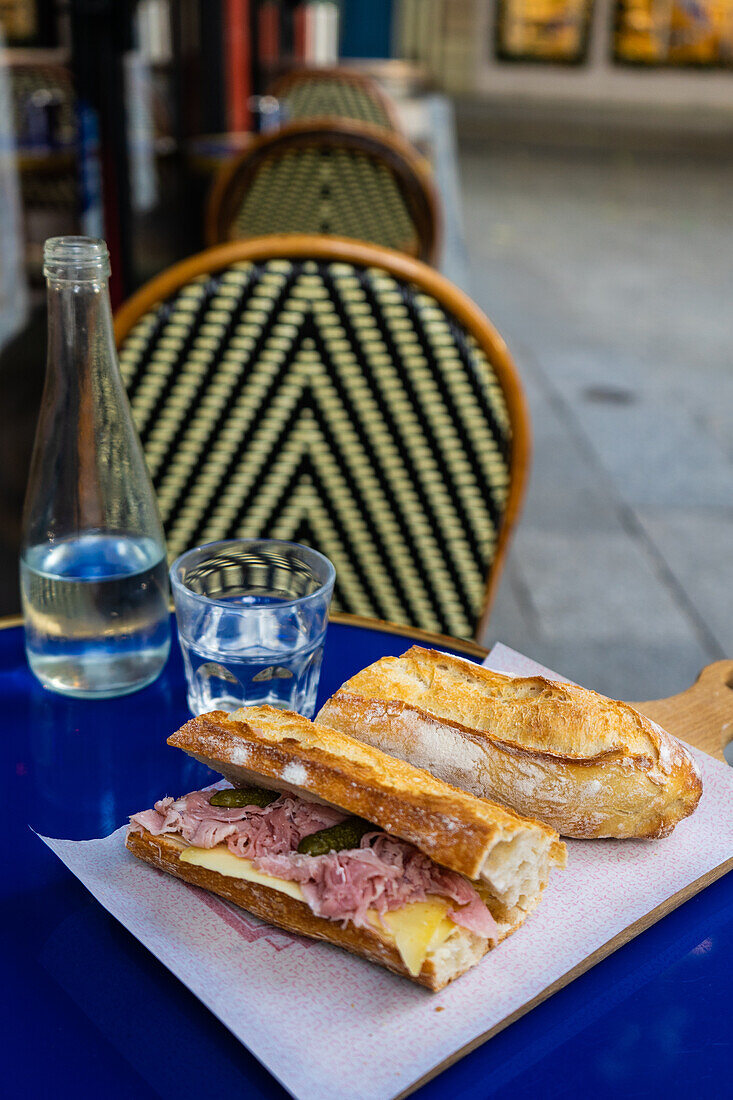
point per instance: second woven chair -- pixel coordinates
(336, 394)
(338, 177)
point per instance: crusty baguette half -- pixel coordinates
(285, 751)
(584, 764)
(459, 953)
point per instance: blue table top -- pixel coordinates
(87, 1007)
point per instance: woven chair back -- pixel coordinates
(342, 178)
(338, 395)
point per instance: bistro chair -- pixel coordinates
(340, 177)
(337, 394)
(334, 93)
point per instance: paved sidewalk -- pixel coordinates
(610, 276)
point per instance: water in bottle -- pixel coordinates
(96, 613)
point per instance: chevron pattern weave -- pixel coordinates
(331, 405)
(326, 190)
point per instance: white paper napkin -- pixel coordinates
(328, 1025)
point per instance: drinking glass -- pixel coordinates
(252, 617)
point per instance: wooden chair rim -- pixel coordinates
(303, 74)
(392, 147)
(360, 254)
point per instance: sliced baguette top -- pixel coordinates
(585, 764)
(473, 836)
(530, 714)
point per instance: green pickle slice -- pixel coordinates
(347, 834)
(236, 797)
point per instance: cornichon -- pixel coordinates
(235, 797)
(347, 834)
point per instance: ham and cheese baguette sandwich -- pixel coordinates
(330, 838)
(586, 765)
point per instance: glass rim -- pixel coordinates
(211, 601)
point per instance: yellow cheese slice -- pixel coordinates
(417, 928)
(226, 863)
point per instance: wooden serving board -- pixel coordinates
(702, 715)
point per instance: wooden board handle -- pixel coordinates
(702, 715)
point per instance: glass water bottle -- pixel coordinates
(93, 570)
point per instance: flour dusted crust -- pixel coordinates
(459, 953)
(476, 837)
(586, 765)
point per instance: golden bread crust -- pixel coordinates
(295, 916)
(289, 752)
(587, 765)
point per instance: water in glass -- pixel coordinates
(238, 671)
(252, 619)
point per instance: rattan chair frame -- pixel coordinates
(397, 264)
(404, 162)
(282, 85)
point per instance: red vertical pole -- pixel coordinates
(238, 59)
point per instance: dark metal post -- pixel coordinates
(101, 34)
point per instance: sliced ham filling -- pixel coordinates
(248, 831)
(381, 875)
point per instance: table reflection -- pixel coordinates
(90, 764)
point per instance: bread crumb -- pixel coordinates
(439, 1008)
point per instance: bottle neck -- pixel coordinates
(79, 313)
(88, 470)
(80, 331)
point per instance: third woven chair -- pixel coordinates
(339, 395)
(335, 93)
(338, 177)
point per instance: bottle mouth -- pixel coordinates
(75, 259)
